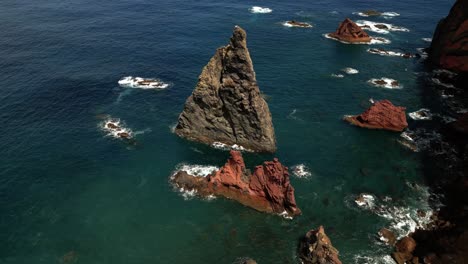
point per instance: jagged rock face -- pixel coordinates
(226, 105)
(316, 248)
(268, 189)
(449, 47)
(382, 115)
(349, 31)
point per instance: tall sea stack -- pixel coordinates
(226, 105)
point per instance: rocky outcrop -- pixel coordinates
(316, 248)
(449, 48)
(381, 115)
(348, 31)
(267, 189)
(226, 105)
(404, 249)
(387, 236)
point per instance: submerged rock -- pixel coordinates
(349, 31)
(448, 49)
(316, 248)
(226, 105)
(382, 115)
(268, 189)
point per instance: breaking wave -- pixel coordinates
(301, 171)
(116, 128)
(260, 10)
(382, 28)
(349, 70)
(222, 146)
(421, 114)
(385, 83)
(142, 83)
(374, 40)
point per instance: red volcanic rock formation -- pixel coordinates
(348, 31)
(268, 189)
(449, 47)
(316, 248)
(382, 115)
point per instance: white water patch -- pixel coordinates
(301, 171)
(439, 82)
(195, 170)
(386, 83)
(423, 53)
(349, 70)
(384, 14)
(337, 75)
(116, 128)
(366, 201)
(293, 116)
(260, 10)
(222, 146)
(173, 127)
(403, 219)
(421, 114)
(285, 215)
(365, 259)
(296, 24)
(374, 40)
(389, 53)
(427, 39)
(381, 28)
(142, 83)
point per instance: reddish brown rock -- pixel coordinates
(404, 251)
(382, 115)
(316, 248)
(449, 48)
(268, 189)
(388, 236)
(349, 31)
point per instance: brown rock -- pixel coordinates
(371, 13)
(226, 105)
(349, 31)
(268, 189)
(448, 48)
(381, 26)
(316, 248)
(112, 126)
(404, 251)
(123, 135)
(382, 115)
(298, 24)
(388, 235)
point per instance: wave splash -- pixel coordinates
(260, 10)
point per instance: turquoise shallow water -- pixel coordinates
(65, 187)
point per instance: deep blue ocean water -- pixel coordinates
(66, 188)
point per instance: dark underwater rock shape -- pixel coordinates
(349, 31)
(226, 105)
(449, 48)
(382, 115)
(372, 13)
(268, 189)
(316, 248)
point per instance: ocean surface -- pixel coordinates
(69, 193)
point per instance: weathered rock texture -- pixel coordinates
(382, 115)
(449, 48)
(226, 105)
(404, 249)
(316, 248)
(268, 189)
(349, 31)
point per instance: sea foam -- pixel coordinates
(387, 83)
(301, 171)
(374, 40)
(382, 28)
(260, 10)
